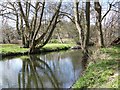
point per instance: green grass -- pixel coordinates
(11, 48)
(65, 41)
(14, 48)
(114, 51)
(103, 73)
(55, 47)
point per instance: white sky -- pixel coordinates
(103, 3)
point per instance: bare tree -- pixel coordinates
(98, 8)
(88, 23)
(78, 23)
(99, 17)
(30, 18)
(84, 33)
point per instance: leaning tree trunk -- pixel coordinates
(48, 33)
(84, 37)
(116, 41)
(78, 23)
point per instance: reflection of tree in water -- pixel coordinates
(84, 61)
(32, 71)
(66, 67)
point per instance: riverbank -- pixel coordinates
(103, 73)
(14, 49)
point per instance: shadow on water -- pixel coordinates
(52, 70)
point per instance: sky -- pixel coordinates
(103, 2)
(63, 0)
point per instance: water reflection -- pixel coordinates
(34, 72)
(53, 70)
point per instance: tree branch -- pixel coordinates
(110, 6)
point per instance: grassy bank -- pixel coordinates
(56, 47)
(103, 73)
(13, 49)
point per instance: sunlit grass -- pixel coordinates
(103, 73)
(114, 51)
(99, 75)
(14, 48)
(57, 46)
(11, 48)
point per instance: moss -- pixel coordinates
(103, 73)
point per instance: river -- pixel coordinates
(50, 70)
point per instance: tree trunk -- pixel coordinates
(59, 37)
(84, 41)
(51, 26)
(88, 23)
(98, 9)
(78, 24)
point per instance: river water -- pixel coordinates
(51, 70)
